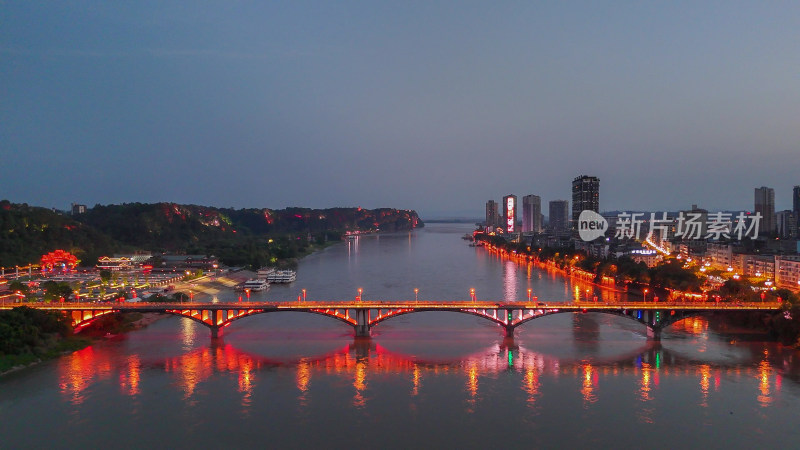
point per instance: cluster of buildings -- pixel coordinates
(503, 218)
(771, 253)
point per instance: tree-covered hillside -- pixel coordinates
(28, 232)
(252, 237)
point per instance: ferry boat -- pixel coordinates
(255, 285)
(264, 272)
(282, 276)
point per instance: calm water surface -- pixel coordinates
(293, 380)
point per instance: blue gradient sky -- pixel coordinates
(434, 106)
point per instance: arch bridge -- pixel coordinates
(363, 316)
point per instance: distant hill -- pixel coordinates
(253, 237)
(28, 232)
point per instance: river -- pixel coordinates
(434, 380)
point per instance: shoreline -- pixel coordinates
(80, 342)
(550, 266)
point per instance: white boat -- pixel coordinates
(264, 272)
(255, 285)
(282, 276)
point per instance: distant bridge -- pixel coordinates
(363, 315)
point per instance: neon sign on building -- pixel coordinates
(511, 209)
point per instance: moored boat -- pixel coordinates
(282, 276)
(254, 285)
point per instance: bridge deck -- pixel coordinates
(422, 305)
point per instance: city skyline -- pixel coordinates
(423, 106)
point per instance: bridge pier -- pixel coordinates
(509, 319)
(214, 318)
(362, 323)
(654, 334)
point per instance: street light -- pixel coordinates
(359, 294)
(472, 294)
(645, 295)
(530, 292)
(304, 295)
(416, 295)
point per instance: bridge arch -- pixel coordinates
(241, 314)
(655, 321)
(402, 312)
(81, 324)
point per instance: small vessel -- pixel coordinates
(282, 276)
(255, 285)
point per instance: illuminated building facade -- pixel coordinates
(585, 196)
(787, 272)
(114, 263)
(510, 213)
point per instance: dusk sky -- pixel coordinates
(433, 106)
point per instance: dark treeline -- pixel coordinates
(29, 331)
(28, 232)
(239, 237)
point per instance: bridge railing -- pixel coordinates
(389, 304)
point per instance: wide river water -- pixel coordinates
(433, 380)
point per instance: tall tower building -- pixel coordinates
(796, 208)
(559, 215)
(531, 214)
(492, 216)
(585, 195)
(510, 213)
(765, 204)
(786, 224)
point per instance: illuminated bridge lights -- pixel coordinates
(507, 315)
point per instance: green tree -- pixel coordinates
(54, 291)
(18, 286)
(105, 276)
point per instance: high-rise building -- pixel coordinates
(559, 215)
(796, 208)
(585, 195)
(510, 213)
(492, 216)
(531, 214)
(796, 200)
(786, 224)
(765, 204)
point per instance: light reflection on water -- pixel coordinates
(363, 360)
(301, 381)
